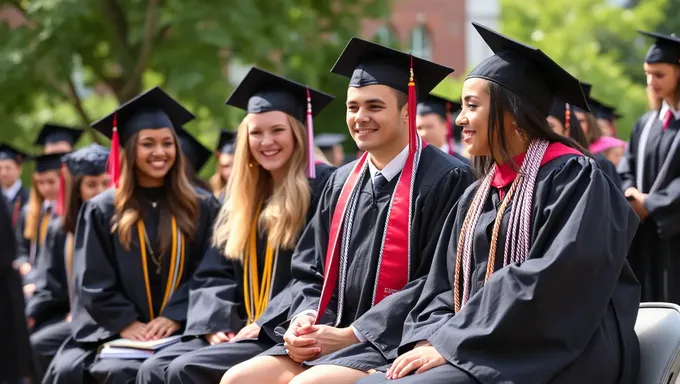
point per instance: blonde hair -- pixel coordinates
(181, 199)
(284, 209)
(35, 203)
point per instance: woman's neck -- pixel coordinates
(279, 175)
(148, 182)
(515, 147)
(673, 102)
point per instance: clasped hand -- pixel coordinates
(157, 328)
(422, 358)
(305, 341)
(637, 201)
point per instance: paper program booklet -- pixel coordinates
(129, 349)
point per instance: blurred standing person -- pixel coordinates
(55, 138)
(650, 170)
(225, 162)
(196, 155)
(12, 188)
(435, 124)
(331, 146)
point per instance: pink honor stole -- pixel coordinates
(394, 260)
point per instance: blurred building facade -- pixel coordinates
(437, 30)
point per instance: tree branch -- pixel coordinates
(135, 80)
(114, 14)
(78, 105)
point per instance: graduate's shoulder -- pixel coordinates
(339, 176)
(572, 168)
(642, 121)
(103, 203)
(437, 167)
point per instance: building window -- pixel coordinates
(421, 44)
(385, 36)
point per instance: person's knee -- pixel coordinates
(239, 373)
(151, 367)
(175, 370)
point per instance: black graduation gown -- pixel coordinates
(49, 305)
(216, 305)
(17, 204)
(108, 285)
(50, 301)
(566, 315)
(26, 252)
(462, 158)
(608, 168)
(653, 255)
(441, 179)
(15, 354)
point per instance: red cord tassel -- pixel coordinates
(113, 163)
(567, 119)
(449, 127)
(311, 166)
(412, 102)
(61, 199)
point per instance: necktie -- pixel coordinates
(668, 119)
(379, 182)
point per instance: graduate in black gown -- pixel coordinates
(359, 262)
(562, 120)
(226, 146)
(136, 245)
(31, 229)
(49, 308)
(15, 194)
(436, 126)
(650, 170)
(196, 155)
(242, 289)
(56, 138)
(529, 283)
(15, 354)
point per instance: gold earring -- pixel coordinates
(250, 165)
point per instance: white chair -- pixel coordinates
(658, 329)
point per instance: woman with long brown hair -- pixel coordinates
(650, 169)
(242, 289)
(137, 245)
(36, 216)
(48, 310)
(529, 282)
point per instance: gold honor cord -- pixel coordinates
(69, 262)
(169, 289)
(256, 295)
(43, 228)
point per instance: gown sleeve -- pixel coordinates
(627, 166)
(51, 295)
(663, 207)
(95, 281)
(382, 324)
(533, 319)
(178, 305)
(214, 302)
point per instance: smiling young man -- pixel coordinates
(359, 261)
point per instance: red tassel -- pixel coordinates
(311, 168)
(567, 119)
(113, 163)
(61, 199)
(412, 102)
(449, 127)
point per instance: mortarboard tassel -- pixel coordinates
(311, 167)
(61, 199)
(449, 127)
(113, 163)
(412, 101)
(567, 120)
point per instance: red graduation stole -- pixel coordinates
(393, 271)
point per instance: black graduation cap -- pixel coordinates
(53, 133)
(89, 160)
(226, 143)
(262, 91)
(666, 48)
(48, 162)
(437, 104)
(328, 140)
(366, 63)
(7, 152)
(528, 72)
(152, 109)
(195, 152)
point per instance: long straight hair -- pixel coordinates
(284, 209)
(181, 199)
(527, 117)
(35, 203)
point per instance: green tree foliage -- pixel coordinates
(117, 48)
